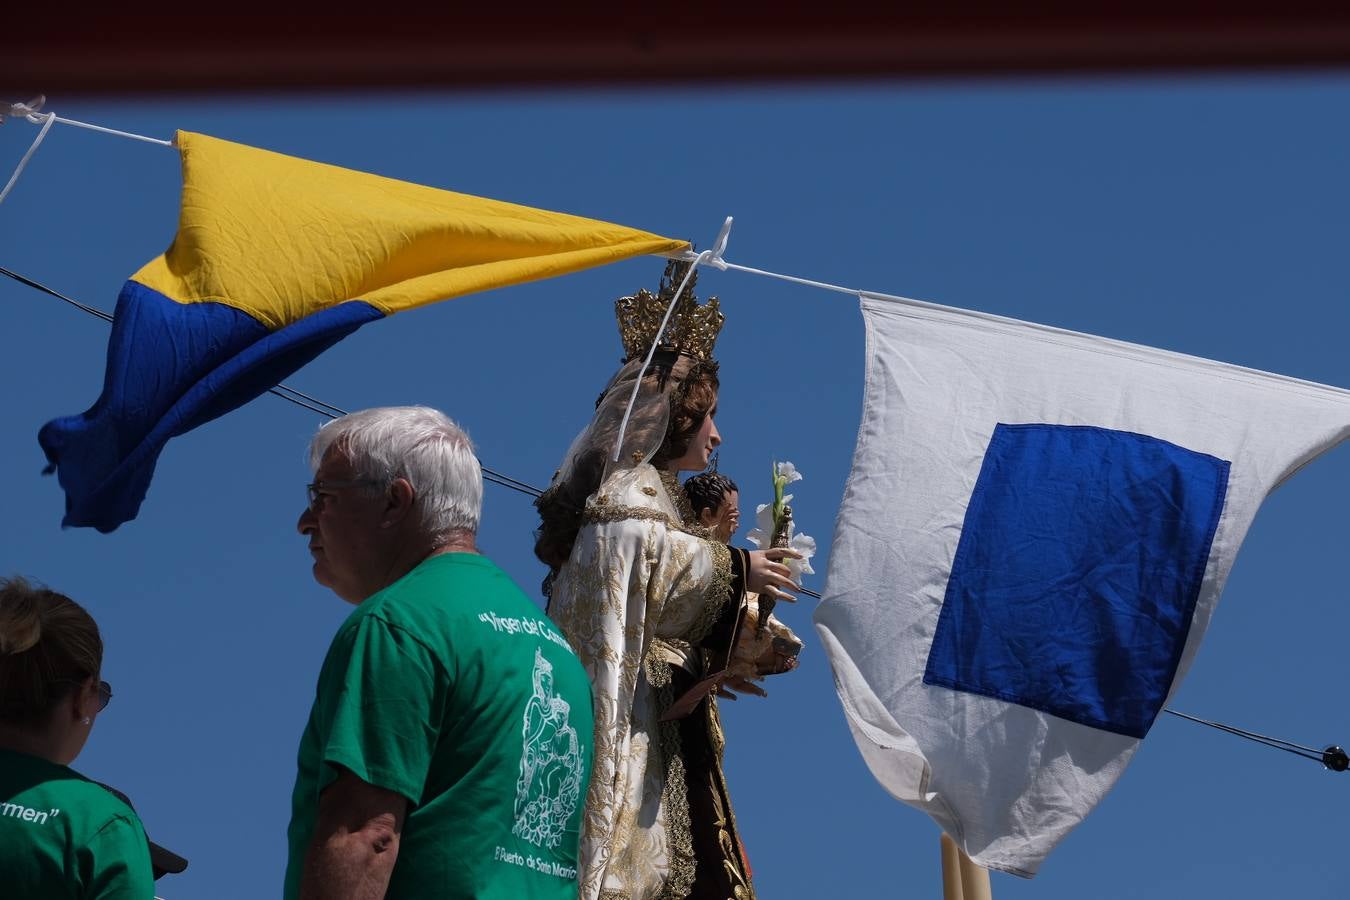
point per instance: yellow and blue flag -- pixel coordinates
(275, 260)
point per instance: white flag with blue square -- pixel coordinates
(1031, 544)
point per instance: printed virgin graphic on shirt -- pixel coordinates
(550, 784)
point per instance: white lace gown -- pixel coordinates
(639, 588)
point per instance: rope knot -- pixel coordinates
(32, 110)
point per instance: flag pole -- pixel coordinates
(974, 879)
(962, 879)
(951, 870)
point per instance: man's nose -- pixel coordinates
(305, 524)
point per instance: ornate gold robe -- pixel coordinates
(642, 588)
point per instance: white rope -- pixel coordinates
(32, 112)
(23, 110)
(113, 131)
(23, 163)
(707, 257)
(823, 285)
(722, 264)
(806, 281)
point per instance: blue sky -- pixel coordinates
(1206, 215)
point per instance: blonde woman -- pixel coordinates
(61, 835)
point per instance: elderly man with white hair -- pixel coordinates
(449, 747)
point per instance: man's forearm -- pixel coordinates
(349, 865)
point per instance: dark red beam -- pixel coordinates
(390, 48)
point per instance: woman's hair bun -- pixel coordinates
(20, 616)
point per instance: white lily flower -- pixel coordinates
(784, 473)
(806, 546)
(762, 534)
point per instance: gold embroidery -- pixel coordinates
(639, 578)
(678, 645)
(718, 592)
(733, 864)
(600, 514)
(715, 733)
(678, 499)
(593, 593)
(657, 670)
(675, 799)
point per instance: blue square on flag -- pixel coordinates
(1077, 573)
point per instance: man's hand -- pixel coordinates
(355, 841)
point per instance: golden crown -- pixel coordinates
(692, 329)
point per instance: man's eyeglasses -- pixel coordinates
(104, 691)
(315, 491)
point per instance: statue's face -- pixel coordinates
(707, 439)
(701, 445)
(728, 517)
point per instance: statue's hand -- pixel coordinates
(768, 576)
(735, 684)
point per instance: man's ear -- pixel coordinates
(707, 517)
(398, 502)
(84, 700)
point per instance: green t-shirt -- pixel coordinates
(451, 688)
(63, 836)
